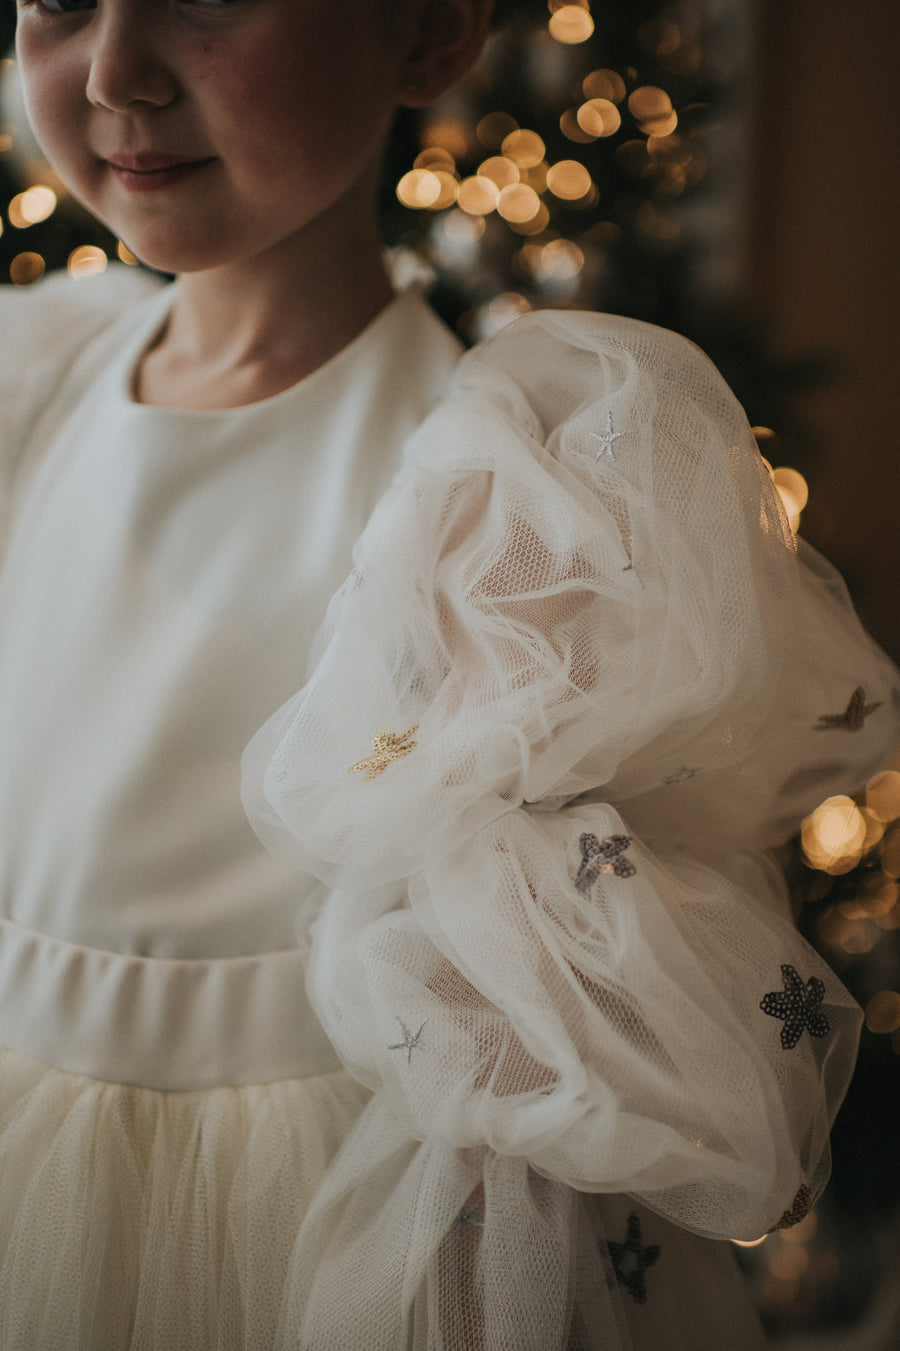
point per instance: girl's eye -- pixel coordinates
(65, 6)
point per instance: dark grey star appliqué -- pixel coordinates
(800, 1207)
(797, 1005)
(602, 856)
(853, 717)
(631, 1259)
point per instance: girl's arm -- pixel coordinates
(576, 687)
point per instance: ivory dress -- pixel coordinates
(509, 1028)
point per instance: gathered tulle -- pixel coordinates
(590, 679)
(137, 1220)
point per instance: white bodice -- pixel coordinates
(165, 573)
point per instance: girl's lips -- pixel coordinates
(149, 173)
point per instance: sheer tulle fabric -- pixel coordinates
(550, 929)
(152, 1220)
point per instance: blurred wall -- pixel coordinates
(823, 266)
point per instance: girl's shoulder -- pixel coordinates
(55, 315)
(44, 327)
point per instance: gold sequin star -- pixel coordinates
(853, 716)
(386, 746)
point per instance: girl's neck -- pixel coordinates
(240, 334)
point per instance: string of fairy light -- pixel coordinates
(529, 213)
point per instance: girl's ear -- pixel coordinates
(447, 39)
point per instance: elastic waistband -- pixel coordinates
(156, 1023)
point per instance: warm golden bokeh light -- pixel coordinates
(86, 261)
(561, 259)
(449, 188)
(447, 134)
(883, 795)
(571, 24)
(890, 854)
(792, 486)
(31, 206)
(26, 268)
(883, 1012)
(604, 84)
(499, 170)
(599, 117)
(568, 180)
(518, 203)
(568, 125)
(124, 254)
(493, 129)
(506, 307)
(648, 103)
(524, 148)
(420, 188)
(535, 225)
(478, 195)
(435, 157)
(833, 836)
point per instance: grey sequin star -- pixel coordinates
(684, 772)
(797, 1005)
(607, 438)
(602, 856)
(631, 1259)
(410, 1041)
(853, 716)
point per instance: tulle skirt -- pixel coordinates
(156, 1221)
(138, 1220)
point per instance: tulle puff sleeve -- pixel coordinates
(577, 684)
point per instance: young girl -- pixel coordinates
(510, 1028)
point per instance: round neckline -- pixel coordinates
(159, 309)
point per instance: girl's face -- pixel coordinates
(207, 131)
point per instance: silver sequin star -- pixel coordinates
(410, 1041)
(607, 438)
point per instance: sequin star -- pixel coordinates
(682, 773)
(410, 1041)
(799, 1210)
(853, 716)
(386, 746)
(602, 856)
(631, 1259)
(797, 1005)
(607, 438)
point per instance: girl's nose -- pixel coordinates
(128, 66)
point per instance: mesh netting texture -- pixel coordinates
(578, 672)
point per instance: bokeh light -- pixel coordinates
(26, 268)
(571, 25)
(31, 206)
(86, 261)
(569, 180)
